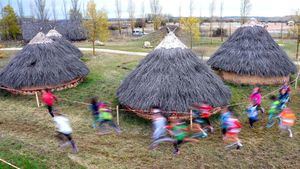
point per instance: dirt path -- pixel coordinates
(101, 50)
(97, 50)
(114, 52)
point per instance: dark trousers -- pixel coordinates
(206, 120)
(252, 121)
(259, 108)
(202, 121)
(110, 123)
(63, 137)
(50, 109)
(224, 131)
(177, 144)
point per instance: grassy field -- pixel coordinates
(201, 48)
(27, 133)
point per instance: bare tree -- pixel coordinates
(143, 16)
(245, 10)
(53, 6)
(191, 8)
(119, 14)
(84, 12)
(31, 7)
(212, 7)
(64, 9)
(75, 13)
(20, 8)
(221, 20)
(9, 2)
(180, 12)
(41, 10)
(131, 12)
(1, 10)
(156, 13)
(297, 25)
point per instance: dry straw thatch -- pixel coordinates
(71, 30)
(42, 64)
(157, 36)
(174, 78)
(251, 51)
(68, 46)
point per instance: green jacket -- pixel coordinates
(274, 109)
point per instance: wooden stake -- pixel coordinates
(37, 99)
(191, 118)
(13, 166)
(118, 118)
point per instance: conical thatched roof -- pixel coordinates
(157, 36)
(70, 30)
(42, 64)
(174, 78)
(65, 44)
(252, 51)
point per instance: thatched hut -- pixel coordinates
(251, 56)
(70, 30)
(68, 46)
(171, 77)
(42, 64)
(156, 37)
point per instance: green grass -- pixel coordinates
(203, 47)
(14, 151)
(131, 45)
(27, 132)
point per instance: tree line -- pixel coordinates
(96, 21)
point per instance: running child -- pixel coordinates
(274, 111)
(180, 132)
(284, 97)
(287, 120)
(225, 115)
(64, 131)
(252, 114)
(106, 118)
(286, 86)
(95, 111)
(48, 99)
(256, 98)
(231, 136)
(202, 113)
(159, 123)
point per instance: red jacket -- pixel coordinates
(205, 110)
(48, 98)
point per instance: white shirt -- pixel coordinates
(62, 124)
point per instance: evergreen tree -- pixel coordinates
(10, 28)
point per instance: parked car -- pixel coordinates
(138, 33)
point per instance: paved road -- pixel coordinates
(112, 51)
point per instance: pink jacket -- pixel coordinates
(256, 97)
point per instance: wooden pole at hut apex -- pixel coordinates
(37, 99)
(118, 118)
(191, 119)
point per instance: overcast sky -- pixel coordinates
(231, 7)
